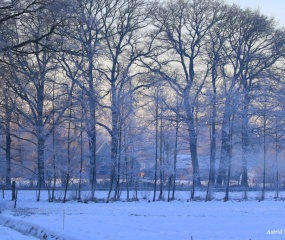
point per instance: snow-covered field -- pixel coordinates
(10, 234)
(181, 219)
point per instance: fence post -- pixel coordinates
(13, 190)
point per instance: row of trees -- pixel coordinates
(155, 78)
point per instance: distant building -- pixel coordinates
(104, 162)
(184, 170)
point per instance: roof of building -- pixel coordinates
(104, 150)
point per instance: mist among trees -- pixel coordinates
(125, 95)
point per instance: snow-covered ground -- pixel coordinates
(10, 234)
(196, 220)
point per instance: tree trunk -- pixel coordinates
(41, 146)
(92, 146)
(264, 154)
(169, 187)
(245, 143)
(92, 134)
(161, 159)
(194, 159)
(192, 140)
(41, 137)
(175, 159)
(53, 145)
(276, 162)
(225, 146)
(228, 180)
(118, 174)
(213, 144)
(112, 179)
(126, 160)
(114, 138)
(81, 159)
(8, 112)
(8, 154)
(213, 141)
(68, 155)
(229, 162)
(156, 149)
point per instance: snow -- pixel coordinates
(9, 234)
(180, 219)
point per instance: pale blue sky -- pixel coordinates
(275, 8)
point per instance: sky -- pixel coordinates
(272, 8)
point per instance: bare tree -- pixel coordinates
(255, 45)
(12, 11)
(216, 61)
(33, 69)
(124, 46)
(182, 27)
(82, 49)
(7, 104)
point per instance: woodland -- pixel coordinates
(152, 79)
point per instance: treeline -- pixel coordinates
(154, 79)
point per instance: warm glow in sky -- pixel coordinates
(272, 8)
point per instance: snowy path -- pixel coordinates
(10, 234)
